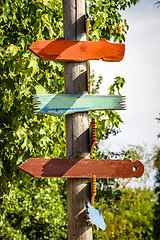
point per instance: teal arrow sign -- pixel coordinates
(63, 104)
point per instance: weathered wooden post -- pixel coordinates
(77, 135)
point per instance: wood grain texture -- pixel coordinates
(78, 51)
(79, 190)
(82, 168)
(92, 135)
(77, 125)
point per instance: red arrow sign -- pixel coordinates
(82, 168)
(78, 51)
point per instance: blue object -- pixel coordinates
(94, 216)
(63, 109)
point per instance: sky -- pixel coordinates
(141, 70)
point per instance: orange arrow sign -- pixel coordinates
(82, 168)
(78, 51)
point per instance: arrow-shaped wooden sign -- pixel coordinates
(94, 217)
(82, 168)
(63, 104)
(78, 51)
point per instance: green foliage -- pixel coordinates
(36, 211)
(157, 191)
(106, 21)
(117, 85)
(30, 208)
(23, 135)
(130, 217)
(157, 165)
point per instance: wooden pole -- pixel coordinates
(77, 134)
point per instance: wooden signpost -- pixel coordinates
(64, 104)
(78, 51)
(78, 168)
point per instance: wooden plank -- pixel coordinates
(94, 217)
(78, 51)
(64, 104)
(92, 135)
(82, 168)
